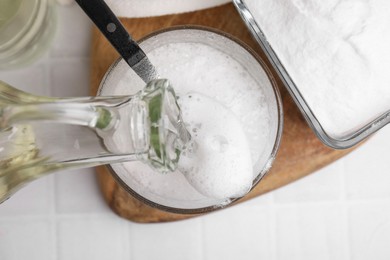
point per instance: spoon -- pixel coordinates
(107, 22)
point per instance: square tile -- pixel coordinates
(77, 191)
(323, 185)
(73, 36)
(310, 232)
(367, 169)
(26, 239)
(238, 233)
(70, 78)
(32, 199)
(90, 238)
(370, 231)
(174, 241)
(30, 79)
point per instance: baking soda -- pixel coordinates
(224, 109)
(337, 53)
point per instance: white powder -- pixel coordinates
(337, 53)
(195, 67)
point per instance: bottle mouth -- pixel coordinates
(166, 131)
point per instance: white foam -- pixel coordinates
(196, 67)
(220, 165)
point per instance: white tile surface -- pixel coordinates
(238, 233)
(174, 241)
(90, 238)
(77, 192)
(34, 199)
(368, 169)
(26, 239)
(31, 79)
(340, 212)
(370, 231)
(310, 232)
(73, 35)
(69, 78)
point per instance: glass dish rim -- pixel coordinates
(344, 142)
(279, 130)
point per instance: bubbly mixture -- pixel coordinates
(219, 164)
(226, 113)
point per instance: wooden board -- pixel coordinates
(300, 152)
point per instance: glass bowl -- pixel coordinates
(171, 192)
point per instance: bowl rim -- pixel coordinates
(279, 130)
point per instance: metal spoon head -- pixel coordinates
(145, 70)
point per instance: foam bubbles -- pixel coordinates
(220, 165)
(196, 67)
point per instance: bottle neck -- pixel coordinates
(39, 135)
(148, 122)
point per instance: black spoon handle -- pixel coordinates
(107, 22)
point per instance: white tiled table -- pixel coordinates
(340, 212)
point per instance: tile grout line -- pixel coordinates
(126, 239)
(58, 216)
(331, 202)
(345, 214)
(273, 230)
(64, 216)
(202, 239)
(53, 197)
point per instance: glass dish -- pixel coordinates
(347, 139)
(193, 204)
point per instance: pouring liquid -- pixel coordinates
(39, 135)
(29, 151)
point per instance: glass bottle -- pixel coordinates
(39, 135)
